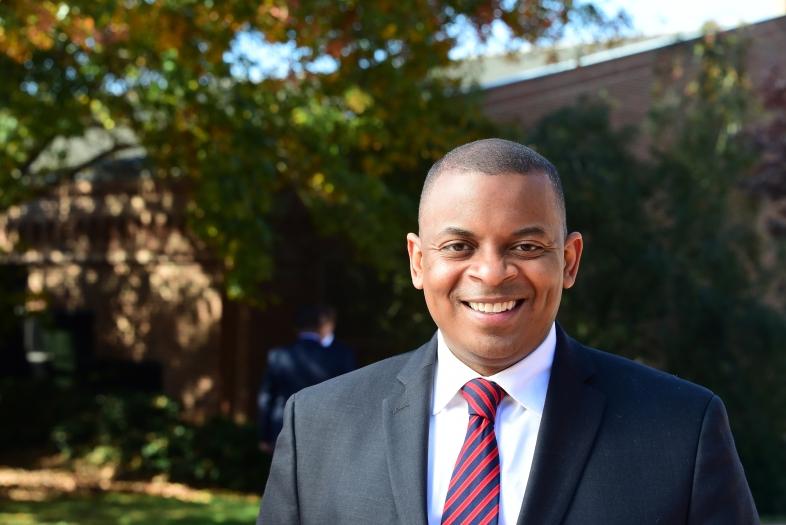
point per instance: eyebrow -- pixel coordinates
(522, 232)
(529, 230)
(459, 232)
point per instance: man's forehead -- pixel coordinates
(453, 182)
(455, 190)
(457, 176)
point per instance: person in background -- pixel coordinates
(313, 357)
(327, 328)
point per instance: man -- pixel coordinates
(501, 417)
(327, 332)
(311, 359)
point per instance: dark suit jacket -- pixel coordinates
(619, 443)
(290, 369)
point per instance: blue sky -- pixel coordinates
(669, 16)
(649, 17)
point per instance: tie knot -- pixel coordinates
(483, 397)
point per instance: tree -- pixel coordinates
(768, 179)
(673, 272)
(348, 125)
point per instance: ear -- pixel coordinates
(574, 245)
(415, 260)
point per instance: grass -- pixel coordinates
(116, 508)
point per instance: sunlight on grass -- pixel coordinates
(115, 508)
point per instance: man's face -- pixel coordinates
(492, 260)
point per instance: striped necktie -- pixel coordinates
(473, 493)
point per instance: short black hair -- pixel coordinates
(494, 157)
(311, 316)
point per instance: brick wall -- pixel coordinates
(627, 82)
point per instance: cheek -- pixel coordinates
(546, 279)
(439, 276)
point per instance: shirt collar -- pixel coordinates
(526, 382)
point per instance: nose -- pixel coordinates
(491, 268)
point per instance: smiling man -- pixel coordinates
(502, 418)
(493, 255)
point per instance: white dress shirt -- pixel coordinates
(516, 425)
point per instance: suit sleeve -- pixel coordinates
(720, 493)
(350, 363)
(280, 505)
(265, 398)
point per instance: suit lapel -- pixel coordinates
(406, 416)
(571, 418)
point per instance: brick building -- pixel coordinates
(624, 76)
(119, 293)
(109, 256)
(116, 287)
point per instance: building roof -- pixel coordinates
(500, 70)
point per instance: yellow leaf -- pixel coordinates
(357, 100)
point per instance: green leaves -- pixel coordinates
(350, 126)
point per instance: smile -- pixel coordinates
(491, 308)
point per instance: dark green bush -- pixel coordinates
(29, 409)
(671, 273)
(141, 435)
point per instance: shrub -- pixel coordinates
(139, 435)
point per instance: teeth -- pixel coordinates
(492, 308)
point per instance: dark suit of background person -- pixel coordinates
(304, 363)
(618, 442)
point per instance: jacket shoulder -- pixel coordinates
(638, 382)
(376, 380)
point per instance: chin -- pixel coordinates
(496, 349)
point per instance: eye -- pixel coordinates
(457, 247)
(527, 247)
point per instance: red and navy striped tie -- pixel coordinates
(473, 493)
